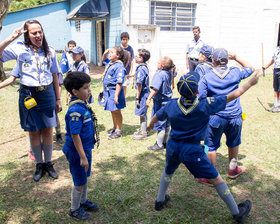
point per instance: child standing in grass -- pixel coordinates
(81, 127)
(161, 93)
(143, 91)
(189, 119)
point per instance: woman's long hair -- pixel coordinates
(124, 55)
(27, 38)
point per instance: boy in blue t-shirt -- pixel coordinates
(205, 60)
(189, 119)
(221, 80)
(143, 91)
(81, 126)
(161, 93)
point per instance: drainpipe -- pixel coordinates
(130, 1)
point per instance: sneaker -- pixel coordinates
(114, 135)
(160, 204)
(275, 109)
(79, 214)
(48, 167)
(140, 135)
(244, 209)
(39, 173)
(204, 181)
(111, 131)
(232, 174)
(137, 132)
(271, 108)
(156, 148)
(89, 206)
(31, 156)
(59, 139)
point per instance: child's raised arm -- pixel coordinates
(238, 92)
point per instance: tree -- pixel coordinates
(4, 8)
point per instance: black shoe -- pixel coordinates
(59, 139)
(49, 168)
(111, 131)
(156, 148)
(39, 172)
(160, 204)
(115, 134)
(244, 209)
(89, 206)
(79, 214)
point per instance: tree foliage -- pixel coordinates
(23, 4)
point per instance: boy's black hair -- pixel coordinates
(145, 54)
(124, 35)
(71, 42)
(75, 80)
(196, 28)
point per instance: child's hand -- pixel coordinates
(137, 103)
(148, 102)
(84, 163)
(150, 127)
(232, 56)
(254, 80)
(116, 99)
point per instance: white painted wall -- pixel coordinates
(237, 25)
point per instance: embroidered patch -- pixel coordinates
(75, 116)
(138, 75)
(119, 79)
(210, 100)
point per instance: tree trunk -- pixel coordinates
(4, 8)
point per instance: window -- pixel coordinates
(171, 16)
(78, 25)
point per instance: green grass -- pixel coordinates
(125, 175)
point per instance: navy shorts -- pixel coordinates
(43, 114)
(276, 79)
(192, 156)
(217, 126)
(79, 175)
(142, 109)
(160, 125)
(110, 102)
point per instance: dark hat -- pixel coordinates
(207, 50)
(188, 84)
(77, 50)
(220, 55)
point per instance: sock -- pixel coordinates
(166, 135)
(118, 130)
(84, 194)
(160, 138)
(48, 152)
(233, 164)
(164, 183)
(37, 152)
(275, 101)
(75, 199)
(143, 123)
(57, 130)
(28, 142)
(225, 194)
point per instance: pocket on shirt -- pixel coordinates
(25, 62)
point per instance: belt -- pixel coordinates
(194, 59)
(35, 88)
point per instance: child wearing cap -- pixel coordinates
(189, 120)
(221, 80)
(205, 60)
(161, 93)
(143, 91)
(81, 135)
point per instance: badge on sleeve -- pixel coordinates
(210, 100)
(75, 116)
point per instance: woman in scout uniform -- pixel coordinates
(39, 91)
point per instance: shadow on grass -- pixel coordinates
(125, 189)
(130, 98)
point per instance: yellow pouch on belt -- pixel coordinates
(29, 102)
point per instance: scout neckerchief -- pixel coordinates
(109, 65)
(135, 75)
(221, 75)
(182, 106)
(94, 118)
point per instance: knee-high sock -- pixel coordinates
(143, 123)
(84, 194)
(37, 152)
(75, 199)
(164, 183)
(225, 194)
(160, 138)
(48, 152)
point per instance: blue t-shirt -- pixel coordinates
(190, 122)
(142, 77)
(130, 50)
(222, 80)
(114, 73)
(203, 68)
(78, 120)
(162, 83)
(80, 66)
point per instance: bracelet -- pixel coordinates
(57, 99)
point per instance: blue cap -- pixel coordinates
(188, 84)
(207, 50)
(77, 50)
(220, 55)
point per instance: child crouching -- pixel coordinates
(81, 126)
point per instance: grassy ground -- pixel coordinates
(125, 175)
